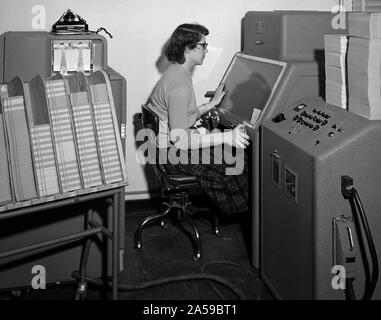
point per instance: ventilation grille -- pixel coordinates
(290, 183)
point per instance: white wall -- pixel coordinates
(140, 29)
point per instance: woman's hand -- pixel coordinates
(218, 95)
(237, 137)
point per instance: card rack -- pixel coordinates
(60, 137)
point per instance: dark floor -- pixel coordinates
(164, 269)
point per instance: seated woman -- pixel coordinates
(173, 100)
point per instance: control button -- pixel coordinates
(300, 107)
(295, 118)
(279, 118)
(324, 122)
(317, 127)
(314, 110)
(318, 120)
(340, 129)
(334, 126)
(331, 134)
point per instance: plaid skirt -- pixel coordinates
(222, 176)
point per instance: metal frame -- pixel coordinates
(112, 197)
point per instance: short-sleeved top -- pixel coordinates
(174, 101)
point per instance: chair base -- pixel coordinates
(179, 201)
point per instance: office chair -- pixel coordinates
(174, 187)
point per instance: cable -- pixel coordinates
(371, 278)
(166, 280)
(214, 288)
(375, 271)
(80, 275)
(104, 29)
(218, 262)
(349, 291)
(361, 243)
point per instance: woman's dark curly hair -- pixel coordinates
(185, 36)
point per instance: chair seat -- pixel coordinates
(180, 182)
(183, 179)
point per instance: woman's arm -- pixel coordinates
(184, 137)
(193, 140)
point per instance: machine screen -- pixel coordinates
(249, 82)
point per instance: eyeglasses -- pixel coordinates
(203, 45)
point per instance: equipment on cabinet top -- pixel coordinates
(70, 22)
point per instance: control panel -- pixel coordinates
(314, 122)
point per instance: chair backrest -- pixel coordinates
(150, 120)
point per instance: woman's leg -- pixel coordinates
(228, 191)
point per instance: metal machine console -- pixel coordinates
(306, 150)
(282, 62)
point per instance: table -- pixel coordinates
(111, 193)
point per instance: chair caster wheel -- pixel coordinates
(217, 232)
(139, 245)
(20, 294)
(80, 295)
(197, 256)
(162, 223)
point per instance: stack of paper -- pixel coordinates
(44, 160)
(335, 49)
(3, 91)
(86, 141)
(104, 126)
(63, 136)
(5, 187)
(364, 24)
(367, 5)
(42, 148)
(22, 174)
(364, 65)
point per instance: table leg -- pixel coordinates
(115, 245)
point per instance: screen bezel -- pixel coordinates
(239, 55)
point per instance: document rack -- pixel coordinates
(62, 147)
